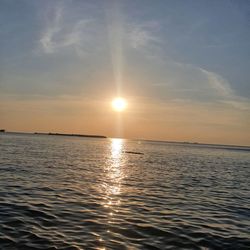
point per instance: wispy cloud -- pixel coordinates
(188, 82)
(218, 83)
(52, 28)
(58, 34)
(62, 30)
(143, 34)
(223, 88)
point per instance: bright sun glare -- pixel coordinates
(119, 104)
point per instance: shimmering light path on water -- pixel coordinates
(75, 193)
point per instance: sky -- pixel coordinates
(183, 67)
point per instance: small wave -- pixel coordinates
(174, 197)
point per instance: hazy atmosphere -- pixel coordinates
(124, 124)
(182, 68)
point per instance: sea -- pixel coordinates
(71, 193)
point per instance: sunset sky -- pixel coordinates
(182, 66)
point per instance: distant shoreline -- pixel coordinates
(57, 134)
(74, 135)
(135, 139)
(209, 145)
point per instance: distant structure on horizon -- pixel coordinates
(2, 130)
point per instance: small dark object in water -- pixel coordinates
(2, 130)
(133, 152)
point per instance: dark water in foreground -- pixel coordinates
(75, 193)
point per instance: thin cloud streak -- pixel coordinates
(190, 83)
(218, 83)
(223, 87)
(141, 35)
(53, 27)
(58, 35)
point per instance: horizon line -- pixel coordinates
(3, 131)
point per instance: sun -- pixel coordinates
(119, 104)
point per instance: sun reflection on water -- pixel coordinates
(114, 173)
(116, 148)
(111, 190)
(112, 185)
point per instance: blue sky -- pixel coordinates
(167, 53)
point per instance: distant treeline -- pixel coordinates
(77, 135)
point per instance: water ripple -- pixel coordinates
(71, 193)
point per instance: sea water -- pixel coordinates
(61, 192)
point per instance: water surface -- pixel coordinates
(74, 193)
